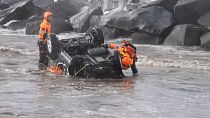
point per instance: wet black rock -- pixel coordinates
(167, 4)
(43, 3)
(134, 1)
(3, 6)
(185, 35)
(19, 11)
(81, 21)
(64, 9)
(20, 24)
(189, 11)
(153, 20)
(10, 2)
(204, 20)
(58, 26)
(144, 38)
(32, 28)
(205, 41)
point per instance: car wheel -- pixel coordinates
(76, 64)
(53, 46)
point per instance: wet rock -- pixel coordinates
(10, 2)
(19, 24)
(64, 9)
(153, 20)
(189, 11)
(185, 35)
(3, 6)
(19, 11)
(204, 20)
(43, 3)
(32, 28)
(81, 21)
(167, 4)
(144, 38)
(58, 26)
(78, 3)
(205, 41)
(133, 1)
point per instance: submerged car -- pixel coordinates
(84, 56)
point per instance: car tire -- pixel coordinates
(53, 46)
(76, 64)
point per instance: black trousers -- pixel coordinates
(43, 59)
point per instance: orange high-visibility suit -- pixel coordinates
(127, 53)
(45, 28)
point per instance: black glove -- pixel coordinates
(40, 42)
(45, 35)
(105, 46)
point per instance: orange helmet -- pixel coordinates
(47, 14)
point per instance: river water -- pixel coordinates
(173, 82)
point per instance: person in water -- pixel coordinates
(127, 53)
(45, 27)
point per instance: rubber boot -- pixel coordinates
(43, 55)
(134, 69)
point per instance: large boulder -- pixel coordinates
(189, 11)
(134, 1)
(205, 20)
(78, 3)
(19, 24)
(167, 4)
(205, 41)
(58, 26)
(32, 28)
(110, 32)
(81, 21)
(144, 38)
(10, 2)
(3, 6)
(64, 9)
(152, 20)
(43, 3)
(185, 35)
(19, 11)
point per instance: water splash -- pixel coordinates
(176, 57)
(28, 52)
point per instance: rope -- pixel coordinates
(80, 70)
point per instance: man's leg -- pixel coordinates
(43, 54)
(134, 68)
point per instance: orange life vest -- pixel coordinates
(45, 27)
(127, 53)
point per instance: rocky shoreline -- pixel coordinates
(166, 22)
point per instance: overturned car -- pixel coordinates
(84, 56)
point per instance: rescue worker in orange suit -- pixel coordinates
(45, 27)
(127, 52)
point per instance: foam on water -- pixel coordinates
(18, 51)
(20, 32)
(176, 57)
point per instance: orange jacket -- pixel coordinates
(45, 27)
(127, 54)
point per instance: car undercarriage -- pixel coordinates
(84, 56)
